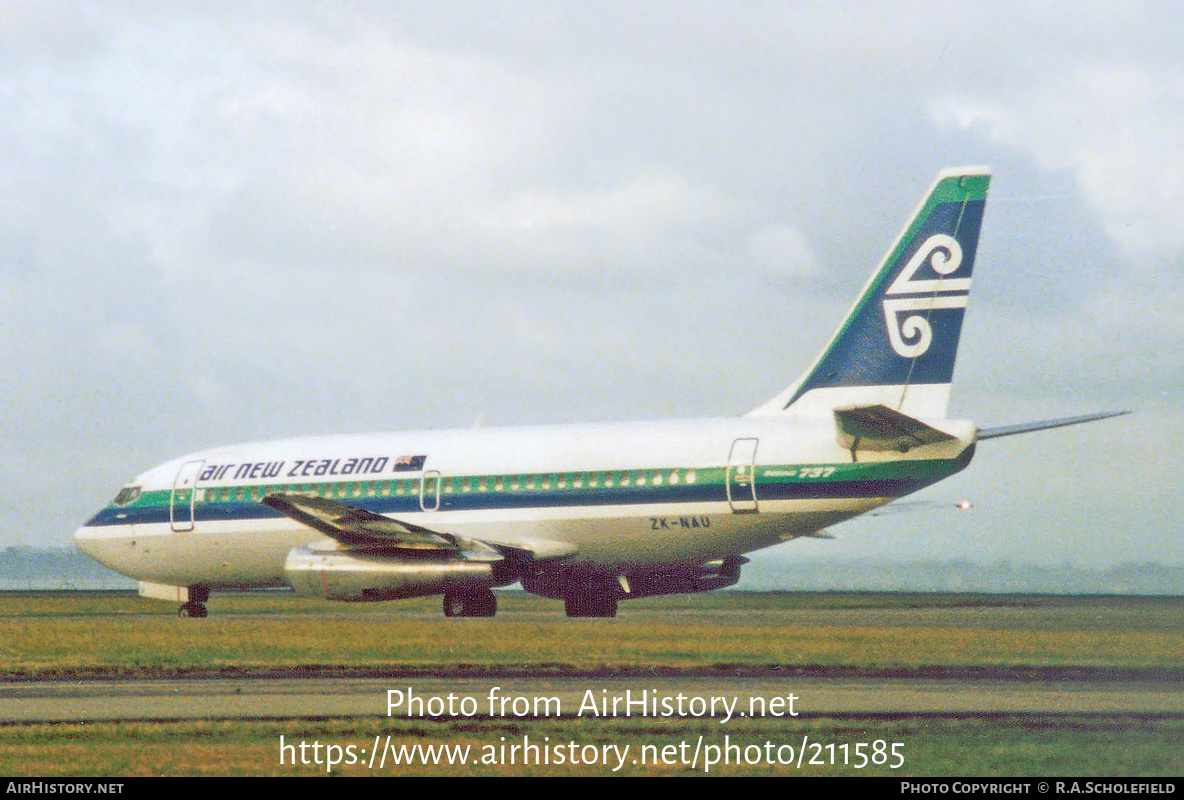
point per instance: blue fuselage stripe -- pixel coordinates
(480, 501)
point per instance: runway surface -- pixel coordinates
(281, 698)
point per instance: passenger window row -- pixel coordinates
(499, 484)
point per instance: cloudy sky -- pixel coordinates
(249, 220)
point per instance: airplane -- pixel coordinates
(592, 513)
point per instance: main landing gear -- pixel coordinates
(196, 607)
(480, 603)
(590, 600)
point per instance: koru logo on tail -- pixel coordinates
(912, 335)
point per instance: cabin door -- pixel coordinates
(183, 496)
(429, 490)
(741, 478)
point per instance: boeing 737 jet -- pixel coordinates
(590, 514)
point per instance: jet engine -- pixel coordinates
(364, 577)
(712, 575)
(674, 580)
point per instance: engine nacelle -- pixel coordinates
(360, 577)
(701, 578)
(712, 575)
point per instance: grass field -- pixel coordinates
(63, 634)
(73, 636)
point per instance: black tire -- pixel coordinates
(193, 610)
(454, 605)
(482, 603)
(587, 602)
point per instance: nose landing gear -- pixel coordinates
(192, 609)
(196, 605)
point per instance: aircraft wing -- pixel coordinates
(356, 526)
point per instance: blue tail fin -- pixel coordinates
(897, 346)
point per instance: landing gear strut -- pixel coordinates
(480, 603)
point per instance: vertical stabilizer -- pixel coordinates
(897, 346)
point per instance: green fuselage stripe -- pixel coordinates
(224, 502)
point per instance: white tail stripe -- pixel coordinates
(915, 327)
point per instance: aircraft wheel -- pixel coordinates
(587, 602)
(483, 604)
(575, 605)
(454, 605)
(193, 609)
(478, 604)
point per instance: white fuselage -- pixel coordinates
(631, 495)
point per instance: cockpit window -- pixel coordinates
(127, 495)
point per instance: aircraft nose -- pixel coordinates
(85, 540)
(80, 540)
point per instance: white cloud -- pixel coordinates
(652, 223)
(123, 341)
(783, 250)
(1117, 128)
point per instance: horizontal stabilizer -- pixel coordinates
(1028, 427)
(878, 427)
(351, 525)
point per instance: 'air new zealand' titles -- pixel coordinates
(590, 514)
